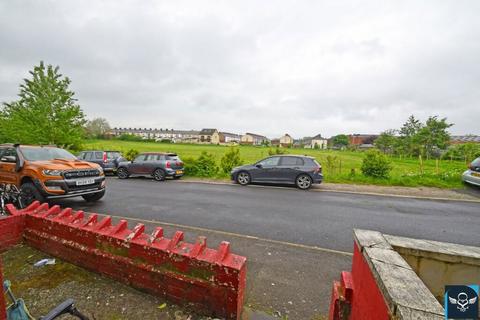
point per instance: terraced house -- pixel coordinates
(229, 138)
(186, 136)
(253, 139)
(209, 136)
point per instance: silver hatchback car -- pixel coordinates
(472, 175)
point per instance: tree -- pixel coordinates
(387, 141)
(433, 136)
(97, 128)
(46, 112)
(340, 140)
(465, 152)
(406, 142)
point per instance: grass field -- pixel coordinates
(338, 166)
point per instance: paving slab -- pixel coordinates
(283, 280)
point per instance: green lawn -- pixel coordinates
(338, 166)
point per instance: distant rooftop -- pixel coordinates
(466, 138)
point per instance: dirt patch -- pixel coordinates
(98, 297)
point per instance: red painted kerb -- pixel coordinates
(213, 281)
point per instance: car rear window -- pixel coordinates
(476, 162)
(99, 155)
(152, 157)
(172, 157)
(291, 161)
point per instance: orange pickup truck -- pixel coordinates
(44, 172)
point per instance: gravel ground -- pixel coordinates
(98, 297)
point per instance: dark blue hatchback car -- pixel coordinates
(302, 171)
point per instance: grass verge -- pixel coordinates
(338, 166)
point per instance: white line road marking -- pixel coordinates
(231, 234)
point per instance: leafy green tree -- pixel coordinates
(433, 136)
(340, 140)
(46, 112)
(376, 164)
(230, 160)
(387, 141)
(97, 128)
(407, 144)
(465, 152)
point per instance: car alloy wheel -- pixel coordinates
(122, 173)
(243, 178)
(159, 175)
(304, 182)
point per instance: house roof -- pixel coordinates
(256, 135)
(318, 137)
(467, 138)
(232, 135)
(207, 132)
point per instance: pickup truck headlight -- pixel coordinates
(100, 171)
(55, 173)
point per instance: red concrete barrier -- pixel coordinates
(382, 285)
(212, 281)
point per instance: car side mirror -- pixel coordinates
(259, 166)
(11, 159)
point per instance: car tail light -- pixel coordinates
(318, 170)
(105, 160)
(167, 164)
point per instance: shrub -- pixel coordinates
(131, 154)
(376, 164)
(277, 150)
(129, 137)
(203, 166)
(230, 160)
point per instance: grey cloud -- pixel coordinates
(303, 67)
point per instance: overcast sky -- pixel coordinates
(268, 67)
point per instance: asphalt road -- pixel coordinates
(323, 219)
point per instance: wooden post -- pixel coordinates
(421, 163)
(436, 166)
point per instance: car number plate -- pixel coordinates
(476, 174)
(179, 172)
(85, 182)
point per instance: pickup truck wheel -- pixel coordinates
(29, 193)
(122, 173)
(159, 175)
(94, 197)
